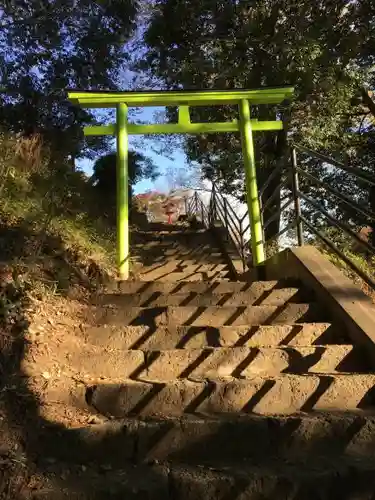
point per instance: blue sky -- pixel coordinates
(162, 162)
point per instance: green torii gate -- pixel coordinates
(183, 100)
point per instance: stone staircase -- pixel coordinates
(216, 389)
(174, 253)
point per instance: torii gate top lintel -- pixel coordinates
(183, 99)
(109, 99)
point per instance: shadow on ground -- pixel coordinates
(46, 259)
(268, 459)
(155, 244)
(127, 459)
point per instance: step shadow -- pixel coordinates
(41, 439)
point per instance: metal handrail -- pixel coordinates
(271, 198)
(222, 200)
(301, 220)
(220, 210)
(228, 215)
(355, 206)
(231, 229)
(344, 227)
(360, 174)
(277, 213)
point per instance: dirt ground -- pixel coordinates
(34, 364)
(43, 359)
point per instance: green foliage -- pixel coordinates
(345, 244)
(324, 49)
(49, 47)
(139, 167)
(104, 176)
(53, 231)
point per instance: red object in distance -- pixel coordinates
(170, 209)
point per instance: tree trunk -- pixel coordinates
(274, 187)
(274, 153)
(73, 162)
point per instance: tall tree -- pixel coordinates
(104, 176)
(49, 47)
(325, 49)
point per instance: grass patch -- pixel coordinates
(366, 265)
(55, 240)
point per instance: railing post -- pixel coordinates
(261, 216)
(243, 258)
(213, 206)
(296, 198)
(122, 192)
(186, 205)
(196, 202)
(261, 208)
(252, 193)
(226, 218)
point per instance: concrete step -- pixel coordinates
(188, 245)
(65, 481)
(283, 394)
(165, 229)
(256, 289)
(178, 244)
(177, 252)
(214, 316)
(344, 480)
(188, 266)
(192, 273)
(349, 481)
(276, 297)
(194, 277)
(150, 261)
(177, 248)
(189, 260)
(245, 362)
(183, 237)
(214, 362)
(157, 258)
(312, 479)
(173, 246)
(226, 439)
(193, 337)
